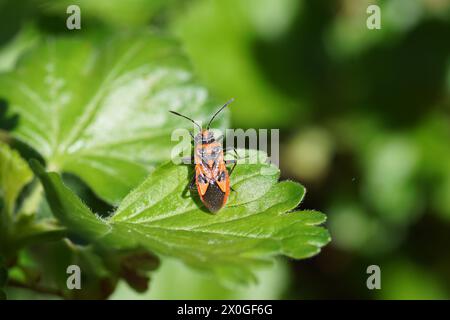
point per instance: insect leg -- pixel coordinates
(234, 165)
(190, 187)
(231, 148)
(236, 154)
(192, 184)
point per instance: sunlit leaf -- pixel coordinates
(17, 230)
(99, 109)
(14, 175)
(255, 225)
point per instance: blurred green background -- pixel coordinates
(364, 118)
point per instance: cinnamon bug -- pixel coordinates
(211, 178)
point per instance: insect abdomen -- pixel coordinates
(214, 197)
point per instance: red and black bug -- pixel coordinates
(211, 175)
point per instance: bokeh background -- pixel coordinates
(364, 119)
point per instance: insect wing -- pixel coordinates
(201, 181)
(222, 179)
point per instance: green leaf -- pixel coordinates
(256, 224)
(10, 52)
(14, 175)
(44, 265)
(98, 108)
(16, 228)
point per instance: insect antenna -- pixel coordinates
(183, 116)
(218, 111)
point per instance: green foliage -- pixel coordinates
(14, 175)
(116, 14)
(98, 109)
(406, 281)
(174, 280)
(12, 51)
(240, 24)
(253, 227)
(364, 119)
(42, 268)
(17, 228)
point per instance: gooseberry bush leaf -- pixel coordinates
(14, 175)
(16, 228)
(98, 108)
(256, 224)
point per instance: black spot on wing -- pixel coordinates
(221, 176)
(202, 179)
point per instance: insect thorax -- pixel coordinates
(204, 137)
